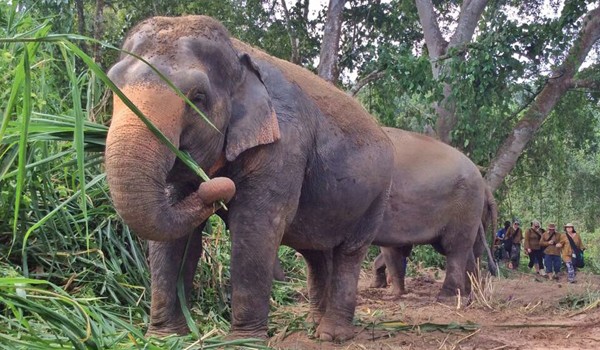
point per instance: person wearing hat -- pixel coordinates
(551, 252)
(533, 235)
(514, 235)
(567, 251)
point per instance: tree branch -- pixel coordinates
(590, 84)
(468, 18)
(295, 57)
(512, 148)
(371, 77)
(436, 45)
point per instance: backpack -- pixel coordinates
(508, 241)
(501, 233)
(577, 253)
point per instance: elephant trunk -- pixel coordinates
(138, 165)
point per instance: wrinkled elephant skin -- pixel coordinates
(295, 155)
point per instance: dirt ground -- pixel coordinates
(521, 311)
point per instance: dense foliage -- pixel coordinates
(87, 277)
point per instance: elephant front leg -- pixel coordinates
(319, 266)
(336, 323)
(253, 253)
(165, 258)
(395, 260)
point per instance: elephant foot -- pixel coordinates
(334, 331)
(161, 332)
(379, 282)
(314, 317)
(234, 335)
(398, 292)
(451, 299)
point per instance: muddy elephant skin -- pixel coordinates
(310, 168)
(438, 197)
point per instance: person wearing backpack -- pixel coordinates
(551, 252)
(571, 251)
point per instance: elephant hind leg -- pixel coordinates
(454, 283)
(319, 266)
(395, 260)
(471, 270)
(336, 324)
(379, 275)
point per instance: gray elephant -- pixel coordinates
(310, 168)
(438, 197)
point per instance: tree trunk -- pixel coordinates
(561, 81)
(81, 23)
(80, 17)
(328, 58)
(469, 16)
(98, 30)
(294, 42)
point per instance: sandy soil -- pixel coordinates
(522, 311)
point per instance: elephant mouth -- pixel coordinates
(180, 183)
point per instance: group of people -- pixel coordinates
(547, 249)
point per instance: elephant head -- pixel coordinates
(156, 195)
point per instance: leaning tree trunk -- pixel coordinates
(561, 81)
(328, 59)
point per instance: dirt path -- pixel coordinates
(524, 312)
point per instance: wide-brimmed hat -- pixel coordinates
(535, 223)
(569, 225)
(551, 227)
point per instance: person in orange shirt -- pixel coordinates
(567, 251)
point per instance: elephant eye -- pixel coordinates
(197, 96)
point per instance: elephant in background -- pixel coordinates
(438, 197)
(302, 163)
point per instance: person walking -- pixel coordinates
(551, 252)
(567, 252)
(514, 236)
(533, 235)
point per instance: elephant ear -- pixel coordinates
(253, 120)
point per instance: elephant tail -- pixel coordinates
(489, 218)
(492, 267)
